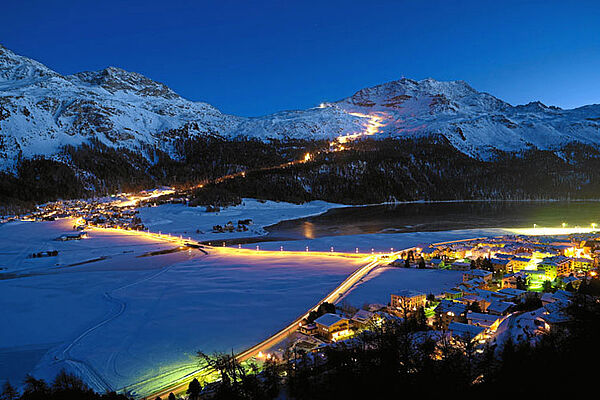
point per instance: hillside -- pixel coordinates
(107, 130)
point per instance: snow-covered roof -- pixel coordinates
(478, 272)
(451, 306)
(408, 293)
(499, 306)
(329, 319)
(465, 330)
(512, 292)
(487, 319)
(362, 316)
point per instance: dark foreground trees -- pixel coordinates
(242, 381)
(64, 387)
(393, 361)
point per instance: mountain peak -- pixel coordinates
(395, 93)
(14, 67)
(114, 79)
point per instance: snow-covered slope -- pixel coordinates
(41, 111)
(474, 122)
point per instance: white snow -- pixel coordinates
(124, 319)
(181, 220)
(41, 111)
(377, 286)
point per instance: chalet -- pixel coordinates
(468, 286)
(309, 329)
(407, 300)
(490, 321)
(498, 307)
(450, 311)
(511, 294)
(332, 327)
(362, 318)
(453, 293)
(510, 280)
(499, 264)
(469, 300)
(477, 273)
(460, 266)
(467, 332)
(73, 236)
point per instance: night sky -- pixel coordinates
(254, 58)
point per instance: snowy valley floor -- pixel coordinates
(115, 318)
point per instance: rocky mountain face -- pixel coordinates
(475, 123)
(41, 111)
(108, 128)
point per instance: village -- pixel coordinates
(512, 286)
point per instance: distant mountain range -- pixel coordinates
(41, 111)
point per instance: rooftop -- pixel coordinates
(329, 319)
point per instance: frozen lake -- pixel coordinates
(122, 318)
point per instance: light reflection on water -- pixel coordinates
(420, 217)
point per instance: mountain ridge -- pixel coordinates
(42, 111)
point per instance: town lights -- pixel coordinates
(307, 157)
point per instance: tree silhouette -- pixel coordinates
(194, 389)
(9, 392)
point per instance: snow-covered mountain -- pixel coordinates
(41, 111)
(474, 122)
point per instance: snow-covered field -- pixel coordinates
(179, 219)
(122, 319)
(377, 286)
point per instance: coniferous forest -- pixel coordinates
(369, 171)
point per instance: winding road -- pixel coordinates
(181, 384)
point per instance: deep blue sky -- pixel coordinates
(253, 58)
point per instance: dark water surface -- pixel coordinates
(414, 217)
